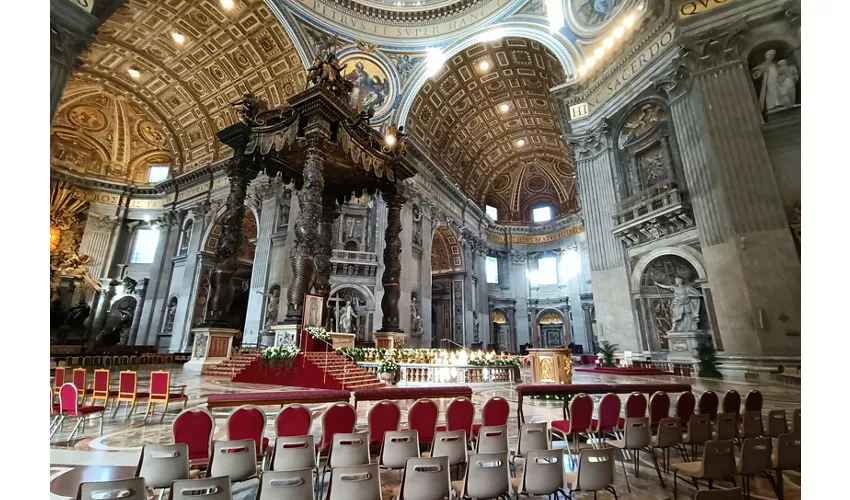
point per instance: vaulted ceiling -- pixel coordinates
(193, 59)
(493, 129)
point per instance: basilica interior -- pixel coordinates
(265, 206)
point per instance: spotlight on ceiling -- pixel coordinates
(582, 70)
(227, 4)
(590, 61)
(134, 73)
(504, 108)
(178, 38)
(599, 52)
(608, 42)
(520, 142)
(619, 31)
(629, 20)
(390, 140)
(484, 65)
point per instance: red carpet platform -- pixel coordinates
(317, 370)
(624, 371)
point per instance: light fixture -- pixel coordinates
(582, 70)
(608, 42)
(134, 73)
(178, 38)
(390, 140)
(520, 142)
(619, 31)
(504, 108)
(484, 66)
(227, 4)
(598, 53)
(629, 21)
(590, 61)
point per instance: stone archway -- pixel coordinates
(447, 285)
(552, 328)
(363, 301)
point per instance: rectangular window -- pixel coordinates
(144, 248)
(547, 271)
(491, 266)
(157, 173)
(541, 214)
(491, 211)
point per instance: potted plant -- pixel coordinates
(388, 369)
(607, 349)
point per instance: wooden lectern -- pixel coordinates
(551, 366)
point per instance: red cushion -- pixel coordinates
(265, 443)
(56, 407)
(85, 410)
(177, 395)
(142, 395)
(475, 429)
(441, 427)
(621, 423)
(89, 391)
(561, 425)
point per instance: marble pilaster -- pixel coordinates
(202, 216)
(519, 285)
(156, 294)
(141, 290)
(749, 252)
(107, 293)
(96, 242)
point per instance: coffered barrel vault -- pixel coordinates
(487, 119)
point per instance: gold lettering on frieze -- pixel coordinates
(688, 8)
(115, 199)
(535, 239)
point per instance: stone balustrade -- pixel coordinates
(352, 263)
(653, 214)
(450, 374)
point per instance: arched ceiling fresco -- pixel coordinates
(487, 120)
(189, 61)
(446, 255)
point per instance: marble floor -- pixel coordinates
(115, 453)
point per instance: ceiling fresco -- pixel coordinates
(186, 61)
(494, 131)
(446, 256)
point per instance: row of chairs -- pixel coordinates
(107, 360)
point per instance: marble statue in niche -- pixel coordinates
(348, 319)
(475, 326)
(171, 311)
(416, 327)
(272, 304)
(787, 77)
(778, 82)
(685, 306)
(417, 225)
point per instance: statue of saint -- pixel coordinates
(415, 317)
(271, 307)
(169, 316)
(768, 72)
(347, 319)
(685, 306)
(787, 77)
(475, 338)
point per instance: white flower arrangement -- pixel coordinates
(280, 353)
(317, 332)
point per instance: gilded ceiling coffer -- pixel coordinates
(394, 196)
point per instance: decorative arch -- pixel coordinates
(693, 257)
(446, 253)
(499, 316)
(245, 252)
(362, 290)
(547, 315)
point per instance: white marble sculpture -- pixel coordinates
(271, 307)
(768, 73)
(347, 319)
(685, 304)
(415, 318)
(787, 76)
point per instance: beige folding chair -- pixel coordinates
(726, 426)
(212, 488)
(290, 484)
(543, 474)
(425, 479)
(492, 439)
(637, 438)
(718, 462)
(777, 424)
(347, 449)
(125, 489)
(355, 482)
(451, 444)
(699, 433)
(755, 459)
(733, 494)
(294, 453)
(669, 436)
(162, 464)
(532, 436)
(787, 457)
(486, 477)
(751, 426)
(397, 447)
(595, 470)
(236, 459)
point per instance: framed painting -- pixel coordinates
(313, 309)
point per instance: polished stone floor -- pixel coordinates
(115, 453)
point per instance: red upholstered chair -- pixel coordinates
(127, 393)
(383, 417)
(58, 380)
(79, 378)
(732, 402)
(685, 406)
(609, 414)
(248, 422)
(101, 390)
(339, 417)
(635, 408)
(753, 402)
(161, 393)
(708, 404)
(581, 419)
(422, 418)
(659, 407)
(69, 404)
(494, 414)
(195, 428)
(459, 416)
(55, 415)
(293, 420)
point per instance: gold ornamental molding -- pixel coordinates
(535, 239)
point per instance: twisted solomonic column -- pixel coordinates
(395, 197)
(330, 212)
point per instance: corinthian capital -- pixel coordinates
(102, 223)
(589, 144)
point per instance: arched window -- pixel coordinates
(542, 213)
(144, 246)
(185, 238)
(491, 212)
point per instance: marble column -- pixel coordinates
(749, 252)
(265, 192)
(96, 242)
(141, 290)
(240, 171)
(395, 197)
(519, 286)
(156, 294)
(330, 212)
(306, 241)
(425, 279)
(609, 274)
